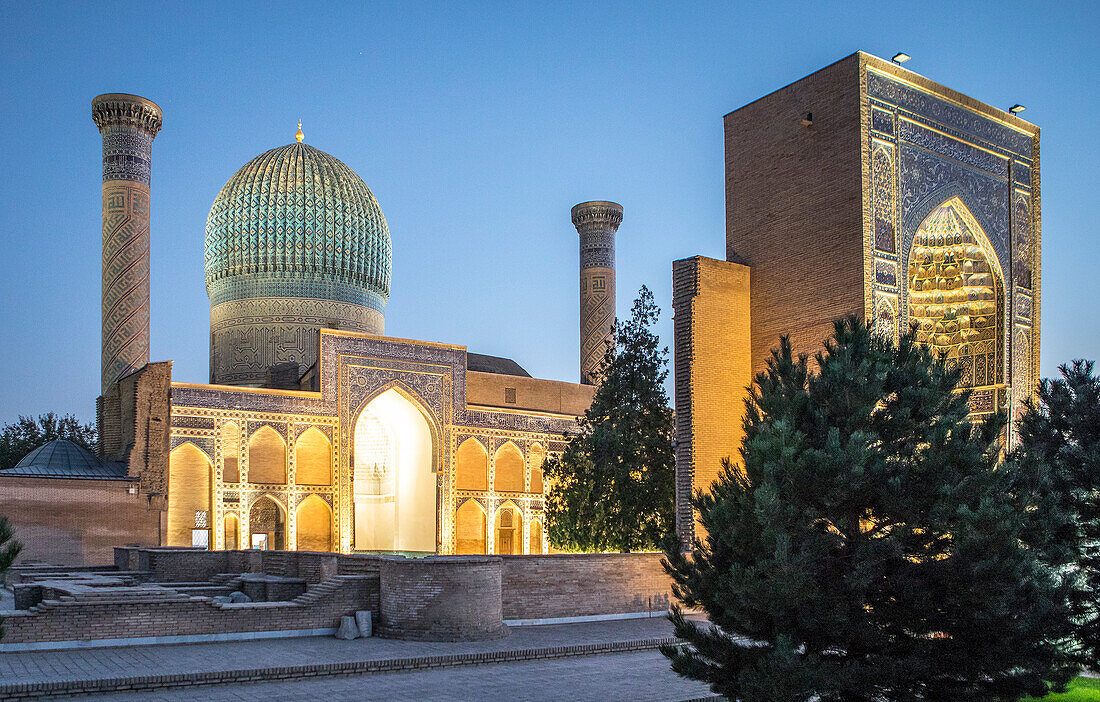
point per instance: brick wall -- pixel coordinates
(794, 206)
(575, 585)
(320, 608)
(76, 522)
(441, 598)
(713, 367)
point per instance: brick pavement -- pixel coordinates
(212, 658)
(639, 677)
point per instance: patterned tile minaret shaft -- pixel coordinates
(596, 222)
(128, 124)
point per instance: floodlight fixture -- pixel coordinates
(901, 57)
(1017, 109)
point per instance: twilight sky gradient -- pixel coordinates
(477, 127)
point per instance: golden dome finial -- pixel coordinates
(299, 137)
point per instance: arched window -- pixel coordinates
(536, 458)
(956, 294)
(472, 466)
(312, 459)
(314, 525)
(266, 457)
(230, 437)
(189, 494)
(509, 467)
(470, 528)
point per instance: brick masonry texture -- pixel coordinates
(575, 585)
(76, 521)
(711, 334)
(794, 206)
(445, 598)
(441, 598)
(320, 608)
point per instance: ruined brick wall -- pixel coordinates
(576, 585)
(794, 206)
(76, 522)
(320, 608)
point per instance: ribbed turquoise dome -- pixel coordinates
(296, 222)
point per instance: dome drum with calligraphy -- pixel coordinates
(295, 242)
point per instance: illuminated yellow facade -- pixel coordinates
(388, 456)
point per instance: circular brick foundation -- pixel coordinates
(441, 598)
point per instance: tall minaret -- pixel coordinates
(128, 124)
(596, 222)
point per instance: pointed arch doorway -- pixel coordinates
(394, 481)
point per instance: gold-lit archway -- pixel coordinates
(956, 294)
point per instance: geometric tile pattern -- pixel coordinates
(596, 222)
(958, 188)
(128, 124)
(295, 241)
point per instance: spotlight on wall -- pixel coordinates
(807, 120)
(1017, 109)
(901, 57)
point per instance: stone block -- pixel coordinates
(348, 629)
(363, 621)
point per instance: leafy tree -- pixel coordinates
(27, 433)
(870, 545)
(612, 488)
(9, 550)
(1060, 433)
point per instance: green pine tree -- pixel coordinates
(870, 544)
(28, 433)
(1060, 439)
(612, 487)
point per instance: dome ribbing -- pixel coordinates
(297, 222)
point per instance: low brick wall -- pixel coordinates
(579, 585)
(75, 620)
(182, 565)
(440, 598)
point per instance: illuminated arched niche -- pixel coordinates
(312, 459)
(472, 466)
(509, 534)
(535, 546)
(230, 437)
(537, 457)
(956, 294)
(266, 457)
(267, 525)
(470, 528)
(314, 525)
(508, 469)
(394, 483)
(232, 532)
(190, 478)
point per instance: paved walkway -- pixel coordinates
(640, 677)
(190, 659)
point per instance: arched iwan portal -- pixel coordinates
(394, 481)
(956, 294)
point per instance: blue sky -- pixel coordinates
(477, 126)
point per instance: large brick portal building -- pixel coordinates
(860, 189)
